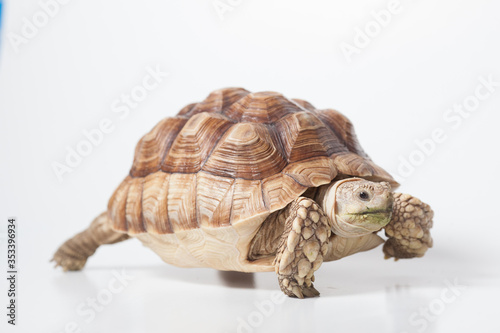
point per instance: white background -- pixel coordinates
(397, 89)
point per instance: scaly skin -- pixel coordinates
(302, 247)
(73, 254)
(408, 231)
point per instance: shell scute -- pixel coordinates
(214, 202)
(247, 150)
(154, 146)
(304, 136)
(194, 143)
(262, 107)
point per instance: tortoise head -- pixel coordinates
(358, 207)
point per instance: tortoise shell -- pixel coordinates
(223, 165)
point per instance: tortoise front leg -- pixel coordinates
(73, 254)
(301, 248)
(408, 231)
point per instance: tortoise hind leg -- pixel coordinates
(301, 248)
(73, 254)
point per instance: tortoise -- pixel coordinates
(255, 182)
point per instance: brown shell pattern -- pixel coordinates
(232, 157)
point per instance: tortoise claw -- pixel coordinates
(303, 292)
(296, 291)
(310, 291)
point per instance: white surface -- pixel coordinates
(64, 80)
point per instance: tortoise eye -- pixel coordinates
(363, 195)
